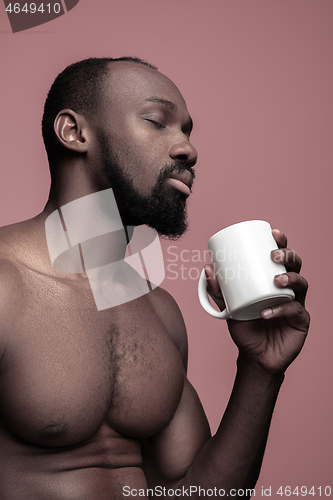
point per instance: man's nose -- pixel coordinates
(184, 151)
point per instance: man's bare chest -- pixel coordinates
(70, 369)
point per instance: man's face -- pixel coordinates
(143, 136)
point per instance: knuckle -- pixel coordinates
(308, 318)
(292, 259)
(291, 256)
(298, 308)
(294, 277)
(306, 284)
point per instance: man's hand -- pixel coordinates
(274, 341)
(183, 454)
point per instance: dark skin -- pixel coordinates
(92, 401)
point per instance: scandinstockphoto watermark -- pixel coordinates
(185, 264)
(263, 491)
(229, 264)
(87, 236)
(25, 15)
(162, 491)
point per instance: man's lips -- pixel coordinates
(181, 180)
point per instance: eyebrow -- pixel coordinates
(169, 105)
(164, 102)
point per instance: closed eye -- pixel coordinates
(157, 124)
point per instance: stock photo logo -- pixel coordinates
(87, 235)
(25, 15)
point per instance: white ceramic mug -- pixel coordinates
(241, 256)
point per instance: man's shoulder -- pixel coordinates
(10, 280)
(12, 238)
(10, 297)
(9, 237)
(170, 315)
(13, 248)
(20, 243)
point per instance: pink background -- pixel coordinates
(257, 77)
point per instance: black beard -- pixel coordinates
(166, 214)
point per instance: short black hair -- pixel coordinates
(77, 87)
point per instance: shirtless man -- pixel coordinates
(95, 404)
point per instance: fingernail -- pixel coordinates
(278, 255)
(282, 279)
(267, 313)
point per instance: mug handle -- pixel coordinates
(204, 301)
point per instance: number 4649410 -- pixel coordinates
(32, 8)
(304, 491)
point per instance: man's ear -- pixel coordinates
(71, 130)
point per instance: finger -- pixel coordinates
(293, 311)
(213, 286)
(295, 282)
(280, 238)
(287, 258)
(209, 271)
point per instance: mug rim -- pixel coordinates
(238, 224)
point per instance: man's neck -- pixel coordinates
(86, 233)
(87, 236)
